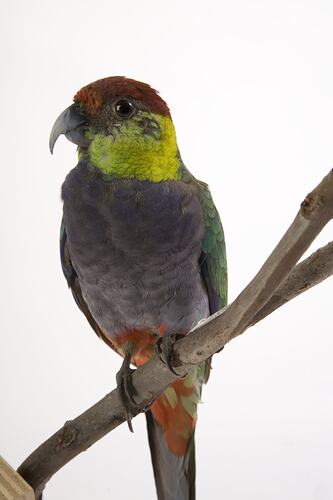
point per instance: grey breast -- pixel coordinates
(135, 246)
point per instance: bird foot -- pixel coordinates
(164, 350)
(127, 390)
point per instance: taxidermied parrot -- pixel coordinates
(142, 249)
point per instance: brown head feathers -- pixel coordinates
(94, 95)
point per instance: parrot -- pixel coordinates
(143, 251)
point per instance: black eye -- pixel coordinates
(124, 108)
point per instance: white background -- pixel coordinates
(250, 86)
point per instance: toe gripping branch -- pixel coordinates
(164, 350)
(127, 389)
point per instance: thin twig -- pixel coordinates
(310, 272)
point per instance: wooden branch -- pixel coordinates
(310, 272)
(207, 338)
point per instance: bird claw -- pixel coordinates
(164, 350)
(127, 390)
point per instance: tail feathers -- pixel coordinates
(174, 475)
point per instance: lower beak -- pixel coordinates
(68, 123)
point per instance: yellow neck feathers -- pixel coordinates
(132, 154)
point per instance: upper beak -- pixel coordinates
(66, 123)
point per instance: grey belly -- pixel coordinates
(135, 247)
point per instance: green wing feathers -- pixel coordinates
(213, 260)
(213, 247)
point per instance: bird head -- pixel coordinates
(123, 128)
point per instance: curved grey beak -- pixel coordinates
(67, 123)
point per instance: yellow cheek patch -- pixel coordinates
(131, 154)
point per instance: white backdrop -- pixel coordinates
(250, 87)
